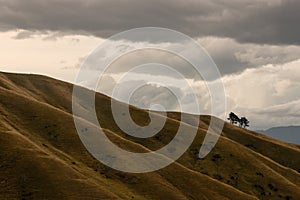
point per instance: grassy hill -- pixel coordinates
(42, 157)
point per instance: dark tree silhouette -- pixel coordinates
(234, 119)
(244, 122)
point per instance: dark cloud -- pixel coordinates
(233, 57)
(229, 56)
(257, 21)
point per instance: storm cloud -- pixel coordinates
(254, 21)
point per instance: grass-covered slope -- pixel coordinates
(42, 157)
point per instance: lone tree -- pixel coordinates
(234, 119)
(244, 122)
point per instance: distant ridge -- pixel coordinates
(42, 157)
(290, 134)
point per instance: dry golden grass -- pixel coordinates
(42, 157)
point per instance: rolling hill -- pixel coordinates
(42, 157)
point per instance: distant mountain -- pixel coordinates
(42, 156)
(290, 134)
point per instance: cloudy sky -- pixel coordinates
(254, 43)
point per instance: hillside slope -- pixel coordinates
(42, 157)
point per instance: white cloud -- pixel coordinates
(268, 95)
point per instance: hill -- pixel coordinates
(42, 157)
(289, 134)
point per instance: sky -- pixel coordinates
(254, 43)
